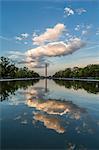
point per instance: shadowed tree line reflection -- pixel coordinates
(90, 87)
(9, 88)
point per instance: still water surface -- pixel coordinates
(49, 114)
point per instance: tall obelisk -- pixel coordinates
(46, 70)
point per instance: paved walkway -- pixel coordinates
(19, 79)
(69, 79)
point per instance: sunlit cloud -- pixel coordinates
(34, 34)
(68, 11)
(84, 32)
(50, 45)
(55, 49)
(18, 38)
(77, 28)
(37, 57)
(83, 27)
(25, 35)
(51, 34)
(22, 36)
(79, 11)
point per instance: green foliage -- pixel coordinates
(86, 72)
(9, 70)
(90, 87)
(9, 88)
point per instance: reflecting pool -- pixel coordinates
(47, 114)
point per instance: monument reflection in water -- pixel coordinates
(46, 115)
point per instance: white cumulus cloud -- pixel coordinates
(18, 38)
(36, 57)
(68, 11)
(85, 32)
(49, 46)
(77, 28)
(25, 35)
(34, 34)
(51, 34)
(55, 49)
(22, 36)
(79, 11)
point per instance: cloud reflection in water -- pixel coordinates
(56, 107)
(50, 122)
(57, 114)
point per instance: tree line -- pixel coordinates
(9, 88)
(90, 71)
(90, 87)
(8, 69)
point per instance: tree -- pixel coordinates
(9, 70)
(86, 72)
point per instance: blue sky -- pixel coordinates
(23, 23)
